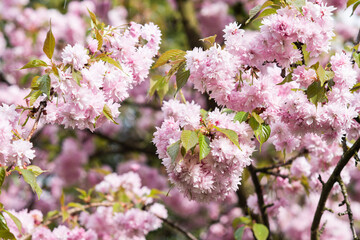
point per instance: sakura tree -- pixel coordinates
(113, 129)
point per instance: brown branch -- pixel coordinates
(274, 174)
(328, 186)
(190, 23)
(260, 197)
(348, 207)
(40, 110)
(175, 226)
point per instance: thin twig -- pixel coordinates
(288, 162)
(348, 207)
(274, 174)
(329, 185)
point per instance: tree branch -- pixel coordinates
(40, 110)
(260, 197)
(189, 21)
(175, 226)
(348, 207)
(328, 186)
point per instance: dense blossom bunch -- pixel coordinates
(234, 80)
(276, 41)
(14, 150)
(26, 27)
(129, 223)
(31, 224)
(91, 82)
(219, 173)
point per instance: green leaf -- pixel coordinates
(241, 220)
(266, 12)
(155, 193)
(169, 55)
(253, 123)
(182, 77)
(210, 39)
(34, 83)
(260, 231)
(35, 169)
(30, 178)
(257, 9)
(77, 76)
(203, 113)
(160, 85)
(111, 61)
(262, 133)
(93, 17)
(117, 207)
(173, 150)
(3, 224)
(306, 54)
(356, 57)
(315, 93)
(230, 134)
(239, 233)
(175, 68)
(305, 182)
(6, 234)
(329, 75)
(321, 74)
(44, 84)
(51, 214)
(76, 205)
(15, 220)
(257, 117)
(35, 63)
(204, 148)
(350, 2)
(99, 38)
(188, 139)
(49, 44)
(2, 175)
(355, 7)
(355, 88)
(288, 78)
(107, 113)
(298, 3)
(34, 95)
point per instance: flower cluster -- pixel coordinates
(130, 222)
(14, 150)
(93, 81)
(31, 224)
(219, 173)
